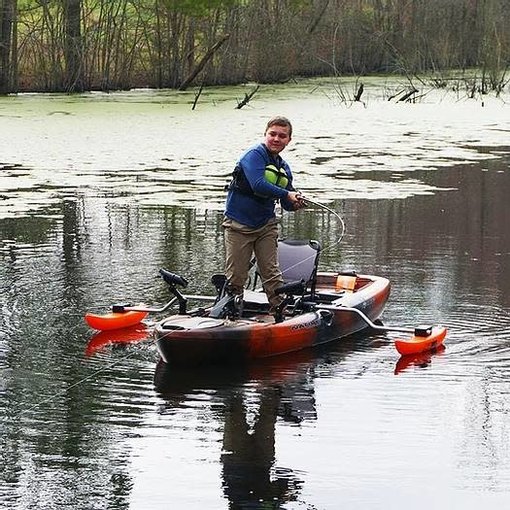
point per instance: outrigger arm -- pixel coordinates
(172, 280)
(423, 338)
(140, 308)
(418, 331)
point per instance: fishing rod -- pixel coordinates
(324, 248)
(329, 210)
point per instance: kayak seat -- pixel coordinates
(298, 261)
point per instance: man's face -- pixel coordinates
(277, 138)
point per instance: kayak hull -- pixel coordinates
(187, 339)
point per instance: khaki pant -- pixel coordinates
(241, 242)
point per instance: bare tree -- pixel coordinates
(8, 10)
(73, 81)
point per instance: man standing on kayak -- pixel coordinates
(261, 177)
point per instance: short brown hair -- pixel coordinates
(279, 121)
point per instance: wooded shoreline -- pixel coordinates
(85, 45)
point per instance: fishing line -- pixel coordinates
(93, 375)
(334, 213)
(154, 340)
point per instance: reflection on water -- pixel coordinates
(249, 401)
(118, 338)
(94, 421)
(421, 360)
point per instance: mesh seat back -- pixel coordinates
(299, 260)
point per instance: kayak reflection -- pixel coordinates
(252, 399)
(123, 336)
(423, 359)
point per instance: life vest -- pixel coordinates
(272, 174)
(276, 176)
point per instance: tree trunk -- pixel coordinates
(73, 46)
(7, 16)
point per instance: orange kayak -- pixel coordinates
(422, 343)
(200, 339)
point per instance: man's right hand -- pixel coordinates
(296, 200)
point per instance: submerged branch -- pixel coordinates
(247, 98)
(405, 95)
(197, 95)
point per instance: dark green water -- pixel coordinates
(98, 425)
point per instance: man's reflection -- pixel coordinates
(250, 478)
(253, 401)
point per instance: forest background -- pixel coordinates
(82, 45)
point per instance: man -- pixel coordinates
(261, 178)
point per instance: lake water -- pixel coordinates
(99, 191)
